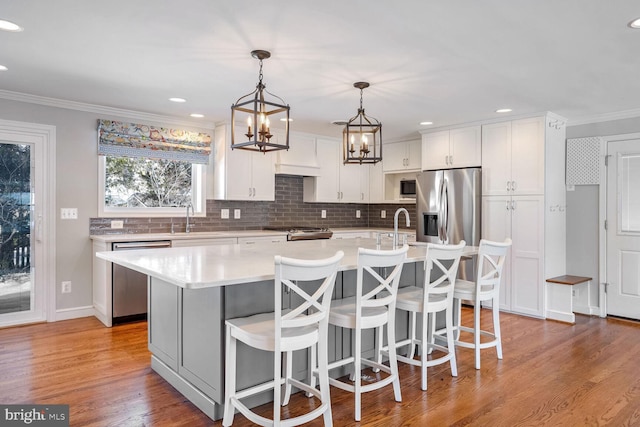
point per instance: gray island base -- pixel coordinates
(193, 290)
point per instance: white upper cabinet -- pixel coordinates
(513, 157)
(336, 181)
(241, 174)
(402, 156)
(456, 148)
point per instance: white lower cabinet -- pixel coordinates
(520, 218)
(256, 239)
(184, 243)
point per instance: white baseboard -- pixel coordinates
(74, 313)
(561, 316)
(584, 309)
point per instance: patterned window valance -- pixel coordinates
(135, 140)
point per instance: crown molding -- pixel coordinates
(606, 117)
(100, 109)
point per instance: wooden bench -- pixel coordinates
(559, 300)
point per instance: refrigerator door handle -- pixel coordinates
(445, 211)
(441, 211)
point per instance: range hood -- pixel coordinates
(300, 159)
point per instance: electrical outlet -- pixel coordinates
(224, 213)
(236, 213)
(68, 213)
(357, 213)
(117, 224)
(66, 287)
(383, 214)
(323, 213)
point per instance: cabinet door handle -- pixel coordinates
(341, 195)
(508, 185)
(450, 160)
(507, 204)
(513, 205)
(338, 195)
(513, 185)
(249, 191)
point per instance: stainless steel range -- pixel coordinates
(304, 233)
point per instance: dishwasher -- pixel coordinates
(129, 287)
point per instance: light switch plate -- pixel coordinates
(236, 213)
(117, 224)
(357, 213)
(383, 214)
(323, 213)
(224, 213)
(68, 213)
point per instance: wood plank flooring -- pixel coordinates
(552, 374)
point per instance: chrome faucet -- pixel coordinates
(395, 225)
(188, 227)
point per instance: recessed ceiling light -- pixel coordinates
(340, 122)
(9, 26)
(504, 110)
(197, 115)
(635, 24)
(426, 123)
(3, 68)
(177, 100)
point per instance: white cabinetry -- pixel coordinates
(184, 243)
(256, 239)
(523, 180)
(513, 157)
(520, 218)
(402, 156)
(455, 148)
(300, 158)
(241, 174)
(337, 182)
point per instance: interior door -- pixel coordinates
(623, 231)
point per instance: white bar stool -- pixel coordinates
(373, 309)
(282, 332)
(435, 296)
(491, 257)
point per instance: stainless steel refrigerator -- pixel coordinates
(448, 204)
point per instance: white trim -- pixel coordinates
(45, 138)
(606, 117)
(99, 109)
(75, 313)
(602, 233)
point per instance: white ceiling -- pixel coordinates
(448, 62)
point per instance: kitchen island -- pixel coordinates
(193, 290)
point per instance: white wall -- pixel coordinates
(77, 187)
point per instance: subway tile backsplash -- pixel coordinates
(287, 209)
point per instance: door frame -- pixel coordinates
(45, 137)
(602, 234)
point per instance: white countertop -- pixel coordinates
(147, 237)
(222, 265)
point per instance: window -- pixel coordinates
(150, 187)
(150, 171)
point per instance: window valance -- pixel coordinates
(136, 140)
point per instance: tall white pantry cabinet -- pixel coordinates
(523, 198)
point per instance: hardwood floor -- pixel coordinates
(552, 374)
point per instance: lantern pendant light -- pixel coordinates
(362, 136)
(253, 115)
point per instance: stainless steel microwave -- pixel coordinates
(408, 188)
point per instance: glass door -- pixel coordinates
(16, 229)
